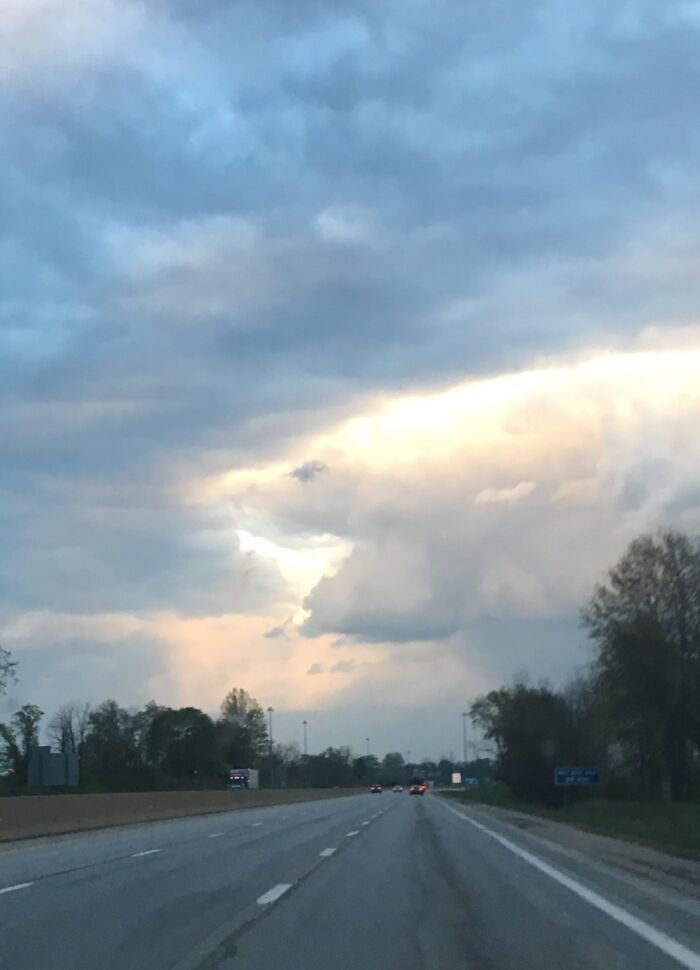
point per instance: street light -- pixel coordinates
(306, 757)
(270, 712)
(464, 734)
(367, 743)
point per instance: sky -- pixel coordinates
(343, 345)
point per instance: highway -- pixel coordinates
(386, 881)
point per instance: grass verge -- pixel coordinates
(671, 826)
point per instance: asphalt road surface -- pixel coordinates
(386, 881)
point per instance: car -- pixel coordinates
(375, 789)
(398, 788)
(417, 789)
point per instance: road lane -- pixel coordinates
(98, 908)
(311, 886)
(425, 889)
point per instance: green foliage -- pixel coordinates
(17, 738)
(534, 731)
(645, 623)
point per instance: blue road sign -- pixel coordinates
(577, 776)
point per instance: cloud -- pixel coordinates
(315, 668)
(309, 470)
(343, 667)
(497, 502)
(275, 633)
(391, 249)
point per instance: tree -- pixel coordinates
(645, 622)
(18, 738)
(111, 750)
(534, 730)
(181, 743)
(393, 768)
(8, 669)
(69, 725)
(243, 733)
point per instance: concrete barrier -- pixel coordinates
(28, 816)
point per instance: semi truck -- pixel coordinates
(242, 778)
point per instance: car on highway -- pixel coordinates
(417, 788)
(375, 789)
(397, 788)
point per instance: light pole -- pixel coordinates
(464, 735)
(270, 712)
(306, 757)
(367, 743)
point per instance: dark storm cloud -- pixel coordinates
(222, 224)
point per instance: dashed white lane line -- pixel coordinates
(13, 889)
(667, 944)
(274, 894)
(349, 835)
(326, 852)
(139, 855)
(254, 825)
(215, 835)
(365, 823)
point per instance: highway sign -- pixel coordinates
(577, 776)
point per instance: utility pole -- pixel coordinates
(270, 712)
(306, 757)
(464, 735)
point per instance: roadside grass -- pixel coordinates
(673, 826)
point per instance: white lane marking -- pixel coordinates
(254, 825)
(139, 855)
(13, 889)
(349, 835)
(326, 852)
(667, 944)
(215, 835)
(365, 823)
(273, 894)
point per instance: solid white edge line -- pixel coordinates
(274, 894)
(662, 941)
(325, 853)
(140, 855)
(13, 889)
(349, 835)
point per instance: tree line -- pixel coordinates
(634, 711)
(156, 747)
(131, 749)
